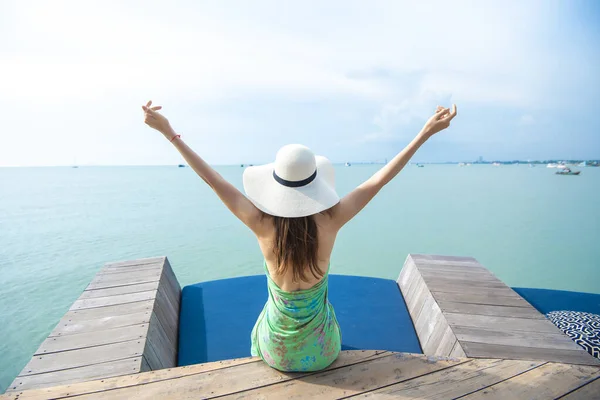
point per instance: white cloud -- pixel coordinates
(72, 49)
(400, 57)
(526, 120)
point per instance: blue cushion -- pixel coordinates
(546, 300)
(216, 317)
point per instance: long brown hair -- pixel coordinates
(296, 246)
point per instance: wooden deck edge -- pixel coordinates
(459, 308)
(126, 321)
(433, 331)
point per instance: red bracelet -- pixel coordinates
(174, 137)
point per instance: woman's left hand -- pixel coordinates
(156, 120)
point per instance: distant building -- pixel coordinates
(480, 159)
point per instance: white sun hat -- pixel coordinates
(297, 184)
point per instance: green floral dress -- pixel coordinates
(297, 331)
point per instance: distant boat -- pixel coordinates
(555, 166)
(496, 164)
(462, 164)
(347, 164)
(75, 166)
(242, 165)
(583, 164)
(531, 165)
(420, 165)
(181, 166)
(567, 171)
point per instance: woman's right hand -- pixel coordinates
(156, 120)
(439, 121)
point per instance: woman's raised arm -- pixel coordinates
(237, 203)
(355, 201)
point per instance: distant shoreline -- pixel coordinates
(593, 163)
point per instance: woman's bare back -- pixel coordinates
(326, 234)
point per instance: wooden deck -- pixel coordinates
(124, 322)
(461, 309)
(356, 373)
(494, 346)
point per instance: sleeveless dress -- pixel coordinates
(297, 331)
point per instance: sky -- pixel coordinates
(353, 80)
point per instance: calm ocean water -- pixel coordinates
(58, 226)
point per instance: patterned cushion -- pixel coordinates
(582, 327)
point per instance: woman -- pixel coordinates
(295, 213)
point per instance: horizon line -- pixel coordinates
(541, 161)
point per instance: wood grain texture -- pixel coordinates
(218, 382)
(74, 323)
(589, 391)
(455, 381)
(486, 350)
(354, 374)
(129, 314)
(551, 381)
(82, 357)
(142, 287)
(490, 310)
(95, 338)
(79, 374)
(460, 308)
(350, 380)
(111, 311)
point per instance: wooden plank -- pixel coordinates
(406, 273)
(171, 288)
(142, 287)
(457, 288)
(168, 315)
(135, 268)
(82, 357)
(548, 381)
(170, 274)
(483, 350)
(351, 380)
(457, 350)
(412, 286)
(588, 391)
(110, 311)
(446, 343)
(202, 380)
(124, 277)
(95, 338)
(72, 324)
(498, 311)
(494, 285)
(455, 381)
(456, 274)
(128, 278)
(506, 337)
(433, 342)
(81, 388)
(443, 258)
(427, 319)
(484, 299)
(470, 270)
(139, 261)
(501, 323)
(217, 383)
(90, 372)
(160, 345)
(113, 300)
(420, 296)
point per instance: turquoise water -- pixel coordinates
(59, 225)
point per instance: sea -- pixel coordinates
(59, 225)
